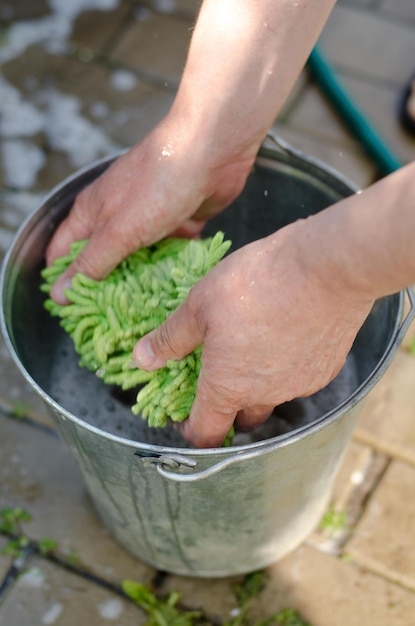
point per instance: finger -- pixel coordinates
(248, 419)
(190, 229)
(210, 420)
(106, 248)
(179, 335)
(70, 230)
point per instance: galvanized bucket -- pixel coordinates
(214, 512)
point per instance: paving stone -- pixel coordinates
(94, 31)
(388, 412)
(354, 39)
(39, 474)
(380, 104)
(353, 165)
(399, 8)
(12, 10)
(215, 597)
(314, 115)
(106, 109)
(330, 592)
(385, 532)
(155, 45)
(47, 594)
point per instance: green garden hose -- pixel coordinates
(375, 146)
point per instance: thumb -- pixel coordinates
(179, 335)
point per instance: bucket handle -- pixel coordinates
(166, 465)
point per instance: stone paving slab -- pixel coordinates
(39, 474)
(379, 103)
(388, 412)
(368, 44)
(47, 594)
(398, 8)
(353, 165)
(85, 110)
(13, 10)
(330, 592)
(386, 531)
(155, 45)
(314, 115)
(95, 31)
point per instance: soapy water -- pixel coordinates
(107, 408)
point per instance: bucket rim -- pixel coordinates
(266, 153)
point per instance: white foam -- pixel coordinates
(18, 118)
(22, 161)
(166, 6)
(52, 30)
(33, 578)
(52, 614)
(69, 132)
(110, 609)
(59, 117)
(123, 80)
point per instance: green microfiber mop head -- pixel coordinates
(106, 318)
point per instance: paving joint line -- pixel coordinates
(392, 450)
(20, 563)
(354, 506)
(7, 412)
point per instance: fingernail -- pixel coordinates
(143, 354)
(58, 290)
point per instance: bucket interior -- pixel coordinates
(280, 189)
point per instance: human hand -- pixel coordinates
(272, 329)
(160, 187)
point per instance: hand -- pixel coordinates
(160, 187)
(272, 331)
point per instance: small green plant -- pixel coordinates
(250, 587)
(161, 612)
(333, 521)
(47, 545)
(11, 520)
(286, 617)
(16, 547)
(11, 524)
(19, 410)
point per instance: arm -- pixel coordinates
(243, 60)
(283, 327)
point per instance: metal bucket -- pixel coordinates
(214, 512)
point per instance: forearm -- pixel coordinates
(366, 243)
(244, 58)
